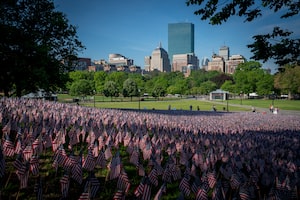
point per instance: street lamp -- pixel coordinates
(94, 98)
(273, 97)
(139, 99)
(241, 97)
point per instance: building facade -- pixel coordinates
(233, 62)
(216, 64)
(224, 52)
(185, 63)
(159, 60)
(180, 39)
(119, 60)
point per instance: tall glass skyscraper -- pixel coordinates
(180, 39)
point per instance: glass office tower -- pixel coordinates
(180, 39)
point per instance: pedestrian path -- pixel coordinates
(258, 109)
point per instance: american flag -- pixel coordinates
(84, 196)
(123, 182)
(153, 177)
(244, 193)
(107, 153)
(115, 166)
(119, 195)
(27, 152)
(184, 185)
(23, 175)
(2, 163)
(8, 147)
(38, 188)
(76, 171)
(201, 194)
(101, 161)
(141, 169)
(34, 165)
(19, 146)
(89, 162)
(64, 185)
(134, 158)
(212, 178)
(143, 190)
(92, 185)
(161, 191)
(37, 145)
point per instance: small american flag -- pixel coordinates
(123, 182)
(64, 185)
(8, 147)
(89, 162)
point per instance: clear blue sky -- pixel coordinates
(134, 28)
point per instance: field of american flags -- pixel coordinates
(51, 150)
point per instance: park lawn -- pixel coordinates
(181, 103)
(282, 104)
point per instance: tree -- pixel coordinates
(246, 77)
(278, 45)
(288, 80)
(111, 89)
(265, 84)
(130, 88)
(34, 41)
(118, 77)
(207, 87)
(99, 79)
(158, 91)
(82, 88)
(229, 86)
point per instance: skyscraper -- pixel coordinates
(180, 39)
(159, 60)
(224, 52)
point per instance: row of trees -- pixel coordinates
(249, 77)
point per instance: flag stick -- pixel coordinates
(7, 180)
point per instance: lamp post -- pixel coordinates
(139, 99)
(227, 98)
(273, 97)
(241, 97)
(94, 98)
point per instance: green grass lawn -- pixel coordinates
(182, 104)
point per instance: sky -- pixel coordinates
(134, 28)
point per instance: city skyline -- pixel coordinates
(134, 28)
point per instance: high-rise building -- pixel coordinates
(180, 39)
(224, 52)
(159, 60)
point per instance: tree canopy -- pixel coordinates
(279, 45)
(37, 45)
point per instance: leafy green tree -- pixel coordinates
(279, 45)
(158, 91)
(118, 78)
(111, 89)
(130, 88)
(75, 76)
(228, 86)
(288, 80)
(220, 79)
(35, 39)
(82, 88)
(246, 77)
(99, 79)
(207, 87)
(265, 84)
